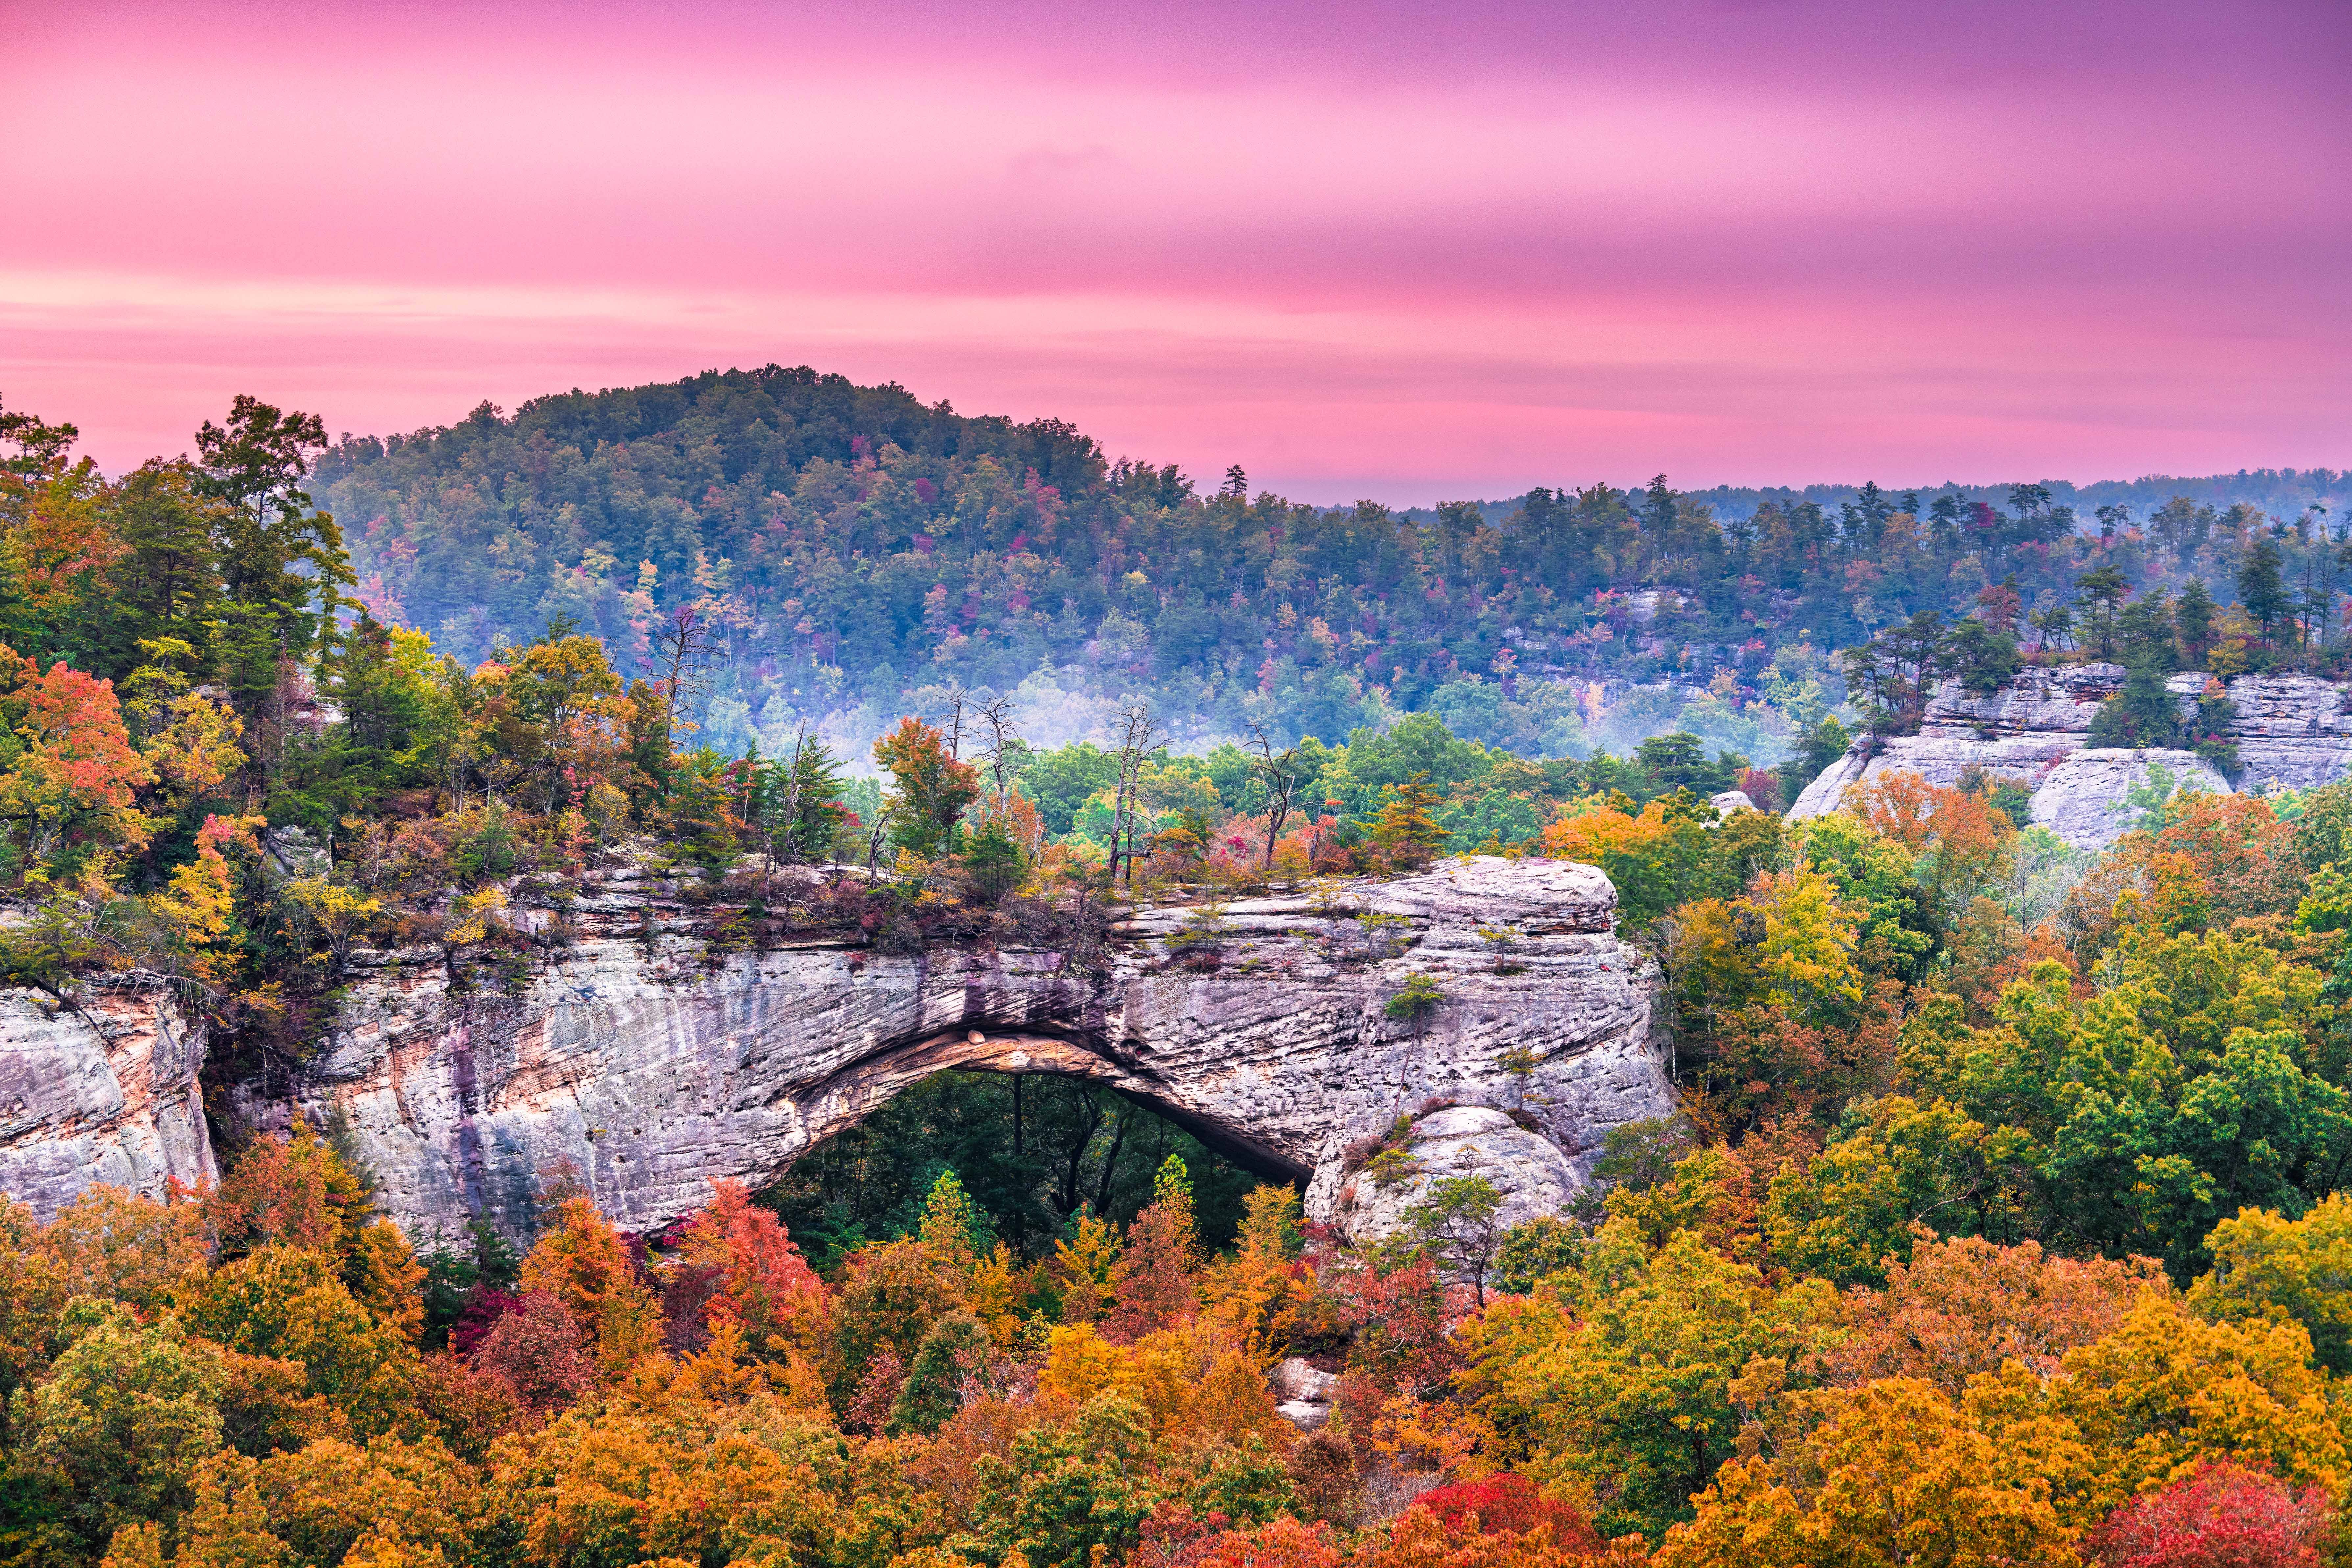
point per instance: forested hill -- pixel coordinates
(857, 547)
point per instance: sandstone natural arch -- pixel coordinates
(978, 1045)
(650, 1069)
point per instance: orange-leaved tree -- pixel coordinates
(1967, 842)
(1895, 1472)
(72, 772)
(291, 1191)
(763, 1282)
(1156, 1287)
(929, 788)
(1963, 1305)
(583, 1262)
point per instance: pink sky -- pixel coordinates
(1415, 252)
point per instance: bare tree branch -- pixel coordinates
(1279, 773)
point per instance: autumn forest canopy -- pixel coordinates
(2002, 1221)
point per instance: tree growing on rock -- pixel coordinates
(1406, 831)
(1414, 1002)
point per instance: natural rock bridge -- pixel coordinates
(649, 1069)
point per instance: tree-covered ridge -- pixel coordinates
(218, 772)
(2280, 492)
(857, 545)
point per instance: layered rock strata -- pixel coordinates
(2291, 731)
(650, 1069)
(1533, 1173)
(645, 1064)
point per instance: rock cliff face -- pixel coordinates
(2292, 731)
(102, 1092)
(649, 1066)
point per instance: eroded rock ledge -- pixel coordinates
(2292, 731)
(650, 1067)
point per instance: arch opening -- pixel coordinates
(862, 1088)
(1032, 1144)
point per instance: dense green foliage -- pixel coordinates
(1031, 1151)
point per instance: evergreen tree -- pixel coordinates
(2192, 621)
(1818, 744)
(1678, 761)
(2103, 590)
(1984, 659)
(393, 716)
(2144, 631)
(795, 804)
(2143, 714)
(1405, 832)
(953, 1348)
(1896, 670)
(2262, 588)
(280, 559)
(993, 861)
(170, 576)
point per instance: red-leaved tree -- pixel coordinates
(1157, 1286)
(539, 1349)
(762, 1278)
(1507, 1503)
(2221, 1517)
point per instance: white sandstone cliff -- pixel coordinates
(2292, 731)
(647, 1065)
(1261, 1026)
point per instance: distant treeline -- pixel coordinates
(2282, 492)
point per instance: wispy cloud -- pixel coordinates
(1428, 253)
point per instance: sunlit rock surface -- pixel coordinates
(1529, 1172)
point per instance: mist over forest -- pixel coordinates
(1617, 833)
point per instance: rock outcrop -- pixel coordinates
(646, 1064)
(2292, 731)
(1533, 1174)
(105, 1091)
(1303, 1393)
